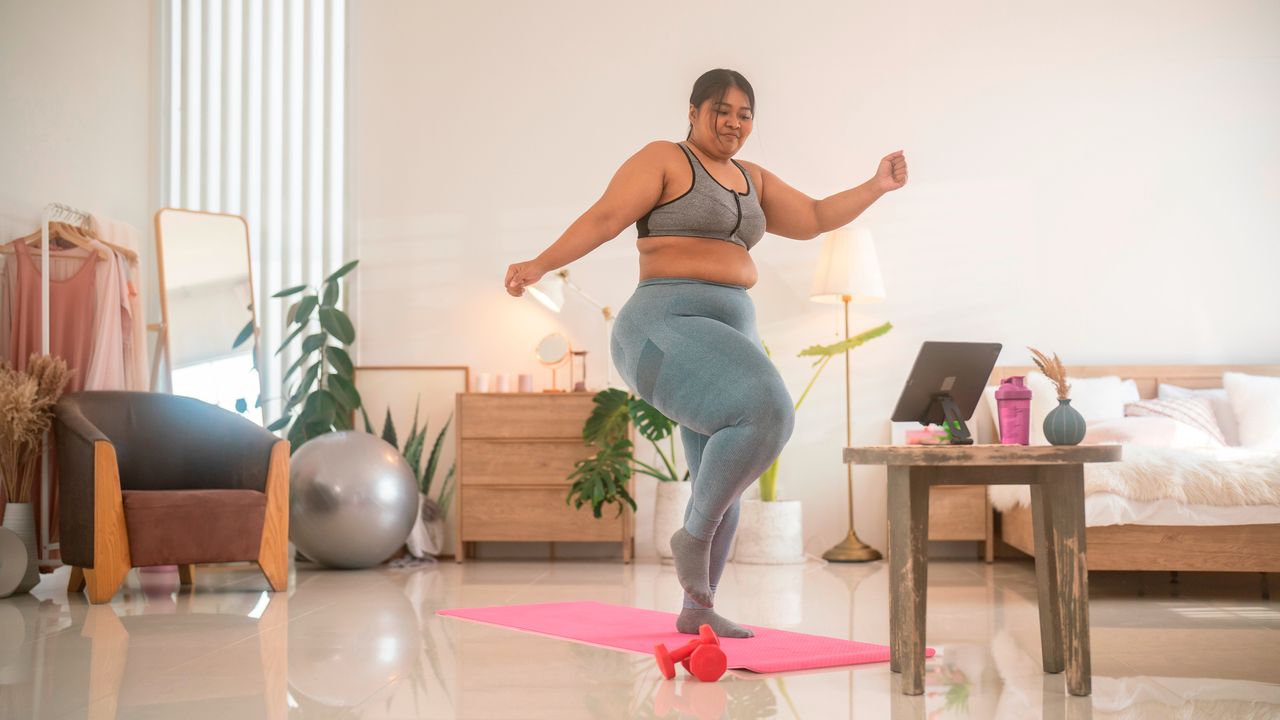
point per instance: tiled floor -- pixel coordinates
(368, 645)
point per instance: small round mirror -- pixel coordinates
(553, 349)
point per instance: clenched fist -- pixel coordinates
(522, 274)
(892, 173)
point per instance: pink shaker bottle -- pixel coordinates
(1013, 401)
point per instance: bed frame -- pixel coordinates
(1233, 548)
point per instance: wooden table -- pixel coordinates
(1056, 476)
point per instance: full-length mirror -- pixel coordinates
(209, 333)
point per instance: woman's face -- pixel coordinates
(722, 124)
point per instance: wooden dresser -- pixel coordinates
(515, 453)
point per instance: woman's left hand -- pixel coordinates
(892, 173)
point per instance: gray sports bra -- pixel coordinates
(708, 209)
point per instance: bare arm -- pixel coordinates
(790, 213)
(633, 191)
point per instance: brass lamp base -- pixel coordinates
(851, 549)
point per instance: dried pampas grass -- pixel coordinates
(26, 413)
(1054, 370)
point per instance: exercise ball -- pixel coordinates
(352, 499)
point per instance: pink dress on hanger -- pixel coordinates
(71, 304)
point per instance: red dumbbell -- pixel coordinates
(707, 636)
(702, 657)
(667, 659)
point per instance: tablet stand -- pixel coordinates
(957, 431)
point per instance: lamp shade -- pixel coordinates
(847, 266)
(549, 291)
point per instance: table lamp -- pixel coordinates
(848, 271)
(549, 292)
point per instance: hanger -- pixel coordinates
(59, 231)
(81, 237)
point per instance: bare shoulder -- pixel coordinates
(660, 152)
(757, 172)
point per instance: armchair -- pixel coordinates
(153, 479)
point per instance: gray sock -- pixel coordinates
(693, 618)
(692, 557)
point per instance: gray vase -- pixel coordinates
(1064, 425)
(20, 518)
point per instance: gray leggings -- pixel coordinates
(690, 348)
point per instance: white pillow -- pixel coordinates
(1096, 398)
(1221, 407)
(1152, 431)
(1256, 402)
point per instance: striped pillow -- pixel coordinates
(1194, 411)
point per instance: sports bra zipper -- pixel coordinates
(738, 202)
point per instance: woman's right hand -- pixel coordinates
(522, 274)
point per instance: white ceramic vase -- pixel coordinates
(770, 533)
(668, 514)
(20, 518)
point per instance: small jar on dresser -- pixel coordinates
(515, 454)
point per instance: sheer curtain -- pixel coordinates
(253, 104)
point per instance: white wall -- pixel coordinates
(1098, 180)
(77, 113)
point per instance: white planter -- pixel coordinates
(770, 533)
(668, 514)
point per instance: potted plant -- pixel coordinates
(1064, 425)
(427, 537)
(770, 530)
(27, 400)
(602, 479)
(325, 397)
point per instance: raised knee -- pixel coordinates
(775, 414)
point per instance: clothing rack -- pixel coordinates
(53, 212)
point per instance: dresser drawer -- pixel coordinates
(529, 513)
(958, 512)
(521, 462)
(523, 415)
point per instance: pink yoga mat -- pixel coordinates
(637, 630)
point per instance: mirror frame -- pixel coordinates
(568, 350)
(162, 342)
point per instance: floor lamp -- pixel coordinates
(848, 272)
(549, 292)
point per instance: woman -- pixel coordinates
(686, 341)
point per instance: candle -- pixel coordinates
(526, 382)
(482, 382)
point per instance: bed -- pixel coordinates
(1179, 527)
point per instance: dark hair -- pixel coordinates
(716, 83)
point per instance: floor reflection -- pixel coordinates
(369, 645)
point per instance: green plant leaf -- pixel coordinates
(445, 500)
(342, 271)
(321, 407)
(304, 386)
(389, 431)
(344, 391)
(289, 338)
(650, 422)
(602, 479)
(290, 291)
(342, 420)
(435, 450)
(245, 333)
(340, 360)
(609, 418)
(331, 293)
(337, 324)
(821, 351)
(368, 426)
(305, 307)
(296, 436)
(294, 367)
(313, 343)
(279, 424)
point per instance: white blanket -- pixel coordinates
(1223, 477)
